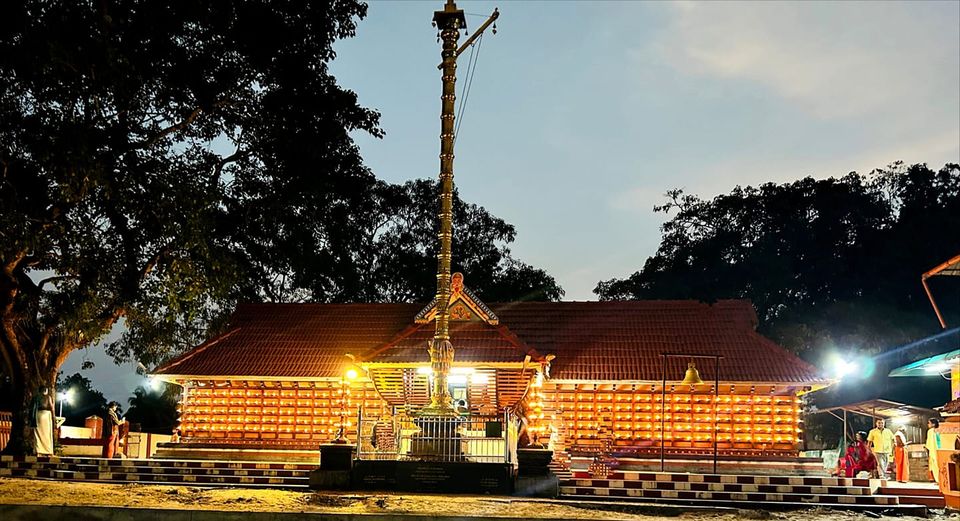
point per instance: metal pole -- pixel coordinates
(663, 411)
(844, 438)
(716, 398)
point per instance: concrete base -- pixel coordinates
(330, 479)
(538, 486)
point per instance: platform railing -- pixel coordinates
(6, 428)
(402, 436)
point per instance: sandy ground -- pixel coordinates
(24, 491)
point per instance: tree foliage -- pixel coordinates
(829, 263)
(85, 401)
(154, 410)
(161, 160)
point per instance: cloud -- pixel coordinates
(834, 59)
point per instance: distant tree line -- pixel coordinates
(829, 264)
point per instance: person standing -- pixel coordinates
(111, 427)
(933, 445)
(881, 440)
(42, 421)
(900, 455)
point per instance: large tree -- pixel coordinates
(829, 263)
(160, 161)
(133, 136)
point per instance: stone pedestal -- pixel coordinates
(336, 456)
(533, 461)
(336, 461)
(534, 478)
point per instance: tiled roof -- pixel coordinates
(294, 340)
(591, 340)
(624, 340)
(474, 341)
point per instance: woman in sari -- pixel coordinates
(933, 445)
(860, 458)
(900, 456)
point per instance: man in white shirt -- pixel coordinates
(881, 439)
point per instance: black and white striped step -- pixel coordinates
(738, 497)
(719, 487)
(5, 460)
(812, 481)
(186, 479)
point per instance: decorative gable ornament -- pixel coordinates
(464, 305)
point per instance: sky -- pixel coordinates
(581, 115)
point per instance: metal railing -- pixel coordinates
(6, 428)
(403, 436)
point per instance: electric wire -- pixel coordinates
(472, 67)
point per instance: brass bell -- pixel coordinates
(692, 377)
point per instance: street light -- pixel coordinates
(65, 396)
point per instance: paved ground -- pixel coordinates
(39, 492)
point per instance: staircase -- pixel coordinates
(768, 492)
(915, 494)
(166, 472)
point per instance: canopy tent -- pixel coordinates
(911, 418)
(937, 364)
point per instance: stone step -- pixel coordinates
(929, 497)
(910, 491)
(731, 478)
(739, 497)
(185, 479)
(718, 487)
(127, 469)
(158, 462)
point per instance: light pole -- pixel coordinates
(65, 396)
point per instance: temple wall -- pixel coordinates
(263, 412)
(760, 419)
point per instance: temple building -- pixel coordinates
(590, 376)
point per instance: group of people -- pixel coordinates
(873, 452)
(45, 427)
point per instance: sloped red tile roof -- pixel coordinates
(591, 340)
(474, 341)
(624, 340)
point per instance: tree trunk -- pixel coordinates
(22, 440)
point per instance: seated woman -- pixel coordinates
(860, 458)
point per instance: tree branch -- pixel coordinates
(177, 127)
